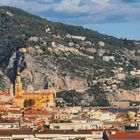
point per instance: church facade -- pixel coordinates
(38, 99)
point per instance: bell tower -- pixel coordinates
(18, 85)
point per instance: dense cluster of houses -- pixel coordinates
(64, 123)
(67, 123)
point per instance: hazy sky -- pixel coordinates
(120, 18)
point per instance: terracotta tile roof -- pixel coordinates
(66, 132)
(15, 111)
(7, 121)
(5, 133)
(3, 111)
(2, 102)
(5, 93)
(120, 113)
(104, 111)
(15, 108)
(36, 112)
(125, 135)
(45, 131)
(32, 117)
(26, 120)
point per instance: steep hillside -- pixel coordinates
(83, 65)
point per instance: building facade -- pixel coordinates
(39, 99)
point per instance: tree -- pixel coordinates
(29, 102)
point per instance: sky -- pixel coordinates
(119, 18)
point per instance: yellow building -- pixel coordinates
(38, 99)
(131, 114)
(102, 115)
(95, 114)
(62, 116)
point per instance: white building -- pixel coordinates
(108, 58)
(7, 124)
(102, 115)
(76, 125)
(51, 135)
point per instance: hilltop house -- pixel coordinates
(102, 115)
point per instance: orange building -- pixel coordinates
(39, 99)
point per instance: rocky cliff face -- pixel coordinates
(85, 67)
(132, 95)
(45, 73)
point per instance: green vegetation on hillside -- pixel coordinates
(16, 29)
(82, 58)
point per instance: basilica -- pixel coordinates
(38, 99)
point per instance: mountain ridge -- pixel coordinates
(78, 62)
